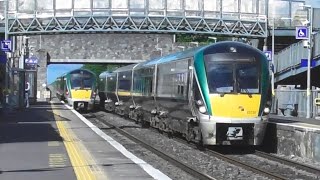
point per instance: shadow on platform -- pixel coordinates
(29, 125)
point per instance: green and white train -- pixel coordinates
(78, 88)
(213, 95)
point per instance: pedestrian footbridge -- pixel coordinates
(288, 67)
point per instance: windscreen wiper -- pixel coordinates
(245, 89)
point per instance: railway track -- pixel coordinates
(221, 156)
(239, 163)
(288, 162)
(262, 154)
(161, 154)
(245, 166)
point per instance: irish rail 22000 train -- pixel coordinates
(213, 95)
(77, 88)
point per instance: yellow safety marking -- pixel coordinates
(124, 93)
(57, 160)
(79, 163)
(53, 143)
(98, 172)
(235, 105)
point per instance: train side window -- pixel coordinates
(111, 81)
(172, 77)
(124, 79)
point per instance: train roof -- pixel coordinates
(174, 56)
(219, 46)
(75, 70)
(64, 74)
(125, 68)
(104, 74)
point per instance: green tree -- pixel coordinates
(199, 38)
(99, 68)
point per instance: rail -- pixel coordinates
(288, 162)
(161, 154)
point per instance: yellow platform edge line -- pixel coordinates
(78, 161)
(80, 164)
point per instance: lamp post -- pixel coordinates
(309, 46)
(272, 54)
(309, 61)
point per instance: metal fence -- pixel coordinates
(294, 103)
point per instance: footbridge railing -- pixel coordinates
(288, 61)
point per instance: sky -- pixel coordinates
(56, 70)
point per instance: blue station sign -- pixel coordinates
(302, 32)
(6, 45)
(31, 62)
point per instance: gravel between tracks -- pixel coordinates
(275, 167)
(199, 160)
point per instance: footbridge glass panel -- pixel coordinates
(287, 13)
(227, 17)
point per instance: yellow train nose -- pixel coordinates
(235, 105)
(81, 93)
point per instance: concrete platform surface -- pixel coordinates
(50, 141)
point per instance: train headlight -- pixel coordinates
(202, 109)
(199, 103)
(266, 110)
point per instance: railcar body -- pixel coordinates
(102, 87)
(214, 95)
(78, 88)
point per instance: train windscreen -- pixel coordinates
(232, 73)
(82, 81)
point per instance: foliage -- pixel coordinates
(198, 38)
(99, 68)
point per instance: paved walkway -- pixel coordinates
(50, 141)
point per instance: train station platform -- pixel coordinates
(294, 137)
(50, 141)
